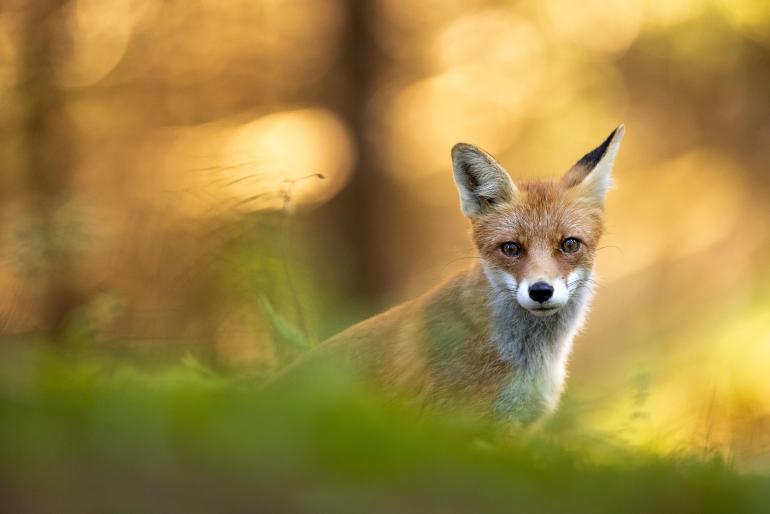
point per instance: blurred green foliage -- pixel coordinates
(88, 435)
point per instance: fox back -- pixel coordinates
(495, 339)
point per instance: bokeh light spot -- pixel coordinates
(605, 27)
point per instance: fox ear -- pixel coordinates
(482, 183)
(590, 177)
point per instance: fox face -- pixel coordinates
(536, 239)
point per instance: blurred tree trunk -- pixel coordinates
(47, 154)
(368, 189)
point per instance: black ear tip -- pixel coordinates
(592, 158)
(618, 131)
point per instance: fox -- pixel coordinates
(495, 338)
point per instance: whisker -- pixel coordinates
(449, 263)
(620, 250)
(503, 291)
(575, 286)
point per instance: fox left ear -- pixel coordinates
(590, 177)
(482, 182)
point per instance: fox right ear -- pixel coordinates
(590, 177)
(481, 181)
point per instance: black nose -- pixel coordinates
(540, 291)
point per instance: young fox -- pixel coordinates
(495, 338)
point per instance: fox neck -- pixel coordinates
(520, 336)
(537, 347)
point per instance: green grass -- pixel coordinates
(83, 435)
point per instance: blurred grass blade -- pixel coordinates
(285, 330)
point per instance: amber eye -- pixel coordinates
(510, 249)
(570, 245)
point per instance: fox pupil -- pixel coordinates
(510, 249)
(570, 245)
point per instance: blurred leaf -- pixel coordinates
(286, 331)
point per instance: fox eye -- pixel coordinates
(510, 249)
(570, 245)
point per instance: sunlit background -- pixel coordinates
(186, 176)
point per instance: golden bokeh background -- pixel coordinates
(183, 174)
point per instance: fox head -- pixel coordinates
(537, 239)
